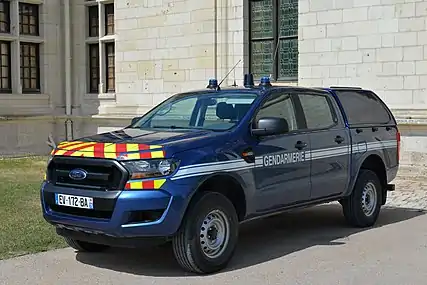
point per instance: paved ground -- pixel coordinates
(312, 246)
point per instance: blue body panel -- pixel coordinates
(279, 176)
(172, 198)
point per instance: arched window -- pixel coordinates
(274, 39)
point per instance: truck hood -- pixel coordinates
(137, 144)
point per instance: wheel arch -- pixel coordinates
(227, 184)
(374, 163)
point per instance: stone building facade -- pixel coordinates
(75, 67)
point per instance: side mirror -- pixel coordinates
(136, 119)
(268, 126)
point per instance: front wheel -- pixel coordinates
(208, 236)
(362, 207)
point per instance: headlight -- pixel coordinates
(140, 169)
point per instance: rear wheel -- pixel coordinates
(85, 246)
(362, 207)
(208, 236)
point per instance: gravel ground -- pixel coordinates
(409, 194)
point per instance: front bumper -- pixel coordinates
(119, 214)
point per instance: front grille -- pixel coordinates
(102, 174)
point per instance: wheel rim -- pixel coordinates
(214, 234)
(369, 199)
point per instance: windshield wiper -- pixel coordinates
(174, 127)
(185, 128)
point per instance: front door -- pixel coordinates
(330, 144)
(282, 172)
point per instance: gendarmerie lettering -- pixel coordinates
(283, 158)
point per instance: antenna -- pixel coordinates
(274, 57)
(229, 72)
(275, 54)
(234, 82)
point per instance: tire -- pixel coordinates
(192, 243)
(83, 246)
(362, 208)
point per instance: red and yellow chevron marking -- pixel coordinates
(140, 184)
(109, 150)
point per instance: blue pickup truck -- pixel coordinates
(202, 162)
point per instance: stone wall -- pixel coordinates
(376, 44)
(162, 47)
(166, 47)
(51, 29)
(28, 135)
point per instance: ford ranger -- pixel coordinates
(200, 163)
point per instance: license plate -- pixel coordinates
(74, 201)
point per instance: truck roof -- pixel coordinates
(352, 100)
(258, 90)
(264, 86)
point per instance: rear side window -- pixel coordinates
(363, 107)
(317, 110)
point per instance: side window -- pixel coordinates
(363, 107)
(280, 106)
(317, 111)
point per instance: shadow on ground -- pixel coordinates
(260, 241)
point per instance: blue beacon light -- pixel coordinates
(265, 81)
(213, 84)
(248, 80)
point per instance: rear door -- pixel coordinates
(330, 144)
(282, 172)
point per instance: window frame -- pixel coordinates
(90, 14)
(391, 120)
(298, 116)
(276, 40)
(6, 5)
(107, 67)
(38, 79)
(330, 104)
(9, 59)
(35, 8)
(108, 13)
(93, 89)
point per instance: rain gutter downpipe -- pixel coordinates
(67, 53)
(216, 38)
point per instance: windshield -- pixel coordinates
(208, 111)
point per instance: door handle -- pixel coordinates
(300, 145)
(339, 139)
